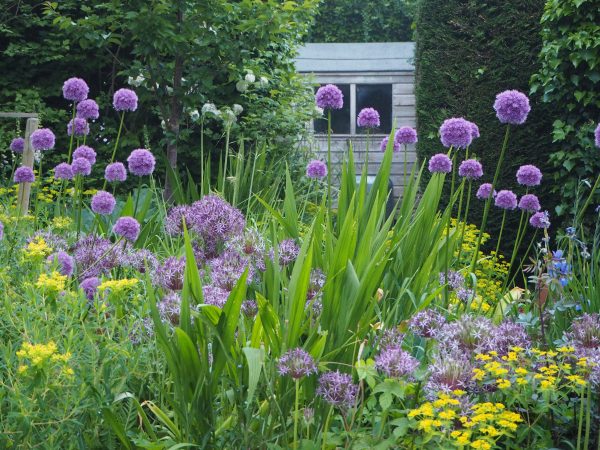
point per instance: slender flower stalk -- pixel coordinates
(114, 152)
(329, 162)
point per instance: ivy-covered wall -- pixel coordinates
(466, 53)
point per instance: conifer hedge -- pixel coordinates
(467, 52)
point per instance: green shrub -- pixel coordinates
(466, 53)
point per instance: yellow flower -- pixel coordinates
(521, 381)
(61, 223)
(52, 284)
(503, 383)
(481, 444)
(37, 248)
(118, 286)
(521, 371)
(447, 414)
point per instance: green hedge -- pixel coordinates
(467, 52)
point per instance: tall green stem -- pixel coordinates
(114, 152)
(226, 158)
(137, 197)
(295, 445)
(464, 221)
(329, 168)
(325, 428)
(202, 157)
(588, 200)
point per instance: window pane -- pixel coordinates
(340, 118)
(378, 96)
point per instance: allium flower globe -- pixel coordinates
(529, 203)
(17, 145)
(474, 130)
(456, 132)
(115, 172)
(529, 175)
(540, 220)
(296, 363)
(506, 199)
(215, 296)
(66, 263)
(316, 169)
(89, 286)
(470, 169)
(75, 89)
(329, 97)
(440, 163)
(396, 363)
(384, 143)
(125, 100)
(426, 323)
(368, 118)
(88, 109)
(43, 139)
(24, 174)
(337, 389)
(83, 151)
(127, 227)
(81, 166)
(406, 135)
(63, 171)
(512, 107)
(78, 127)
(103, 203)
(484, 191)
(141, 162)
(288, 252)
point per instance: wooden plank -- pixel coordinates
(403, 89)
(16, 115)
(404, 100)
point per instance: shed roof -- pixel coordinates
(356, 57)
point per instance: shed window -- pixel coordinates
(340, 118)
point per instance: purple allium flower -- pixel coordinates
(314, 293)
(95, 255)
(83, 151)
(63, 171)
(529, 175)
(484, 191)
(288, 252)
(584, 334)
(512, 107)
(115, 172)
(452, 278)
(17, 145)
(316, 169)
(43, 139)
(127, 227)
(406, 135)
(506, 199)
(464, 294)
(329, 97)
(228, 268)
(81, 166)
(140, 260)
(540, 220)
(251, 245)
(384, 142)
(471, 169)
(426, 323)
(449, 372)
(507, 335)
(396, 363)
(597, 136)
(103, 203)
(529, 203)
(169, 274)
(474, 130)
(90, 286)
(337, 389)
(125, 100)
(24, 174)
(440, 163)
(141, 162)
(465, 335)
(456, 132)
(175, 218)
(368, 118)
(249, 308)
(88, 109)
(78, 126)
(54, 241)
(296, 363)
(65, 262)
(214, 295)
(169, 308)
(75, 89)
(389, 338)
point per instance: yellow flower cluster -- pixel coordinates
(37, 249)
(40, 356)
(117, 286)
(51, 284)
(61, 223)
(479, 427)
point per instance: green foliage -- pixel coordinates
(466, 53)
(568, 79)
(359, 21)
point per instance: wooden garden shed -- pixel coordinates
(378, 75)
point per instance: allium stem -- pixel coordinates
(137, 197)
(329, 168)
(588, 200)
(202, 156)
(405, 163)
(72, 136)
(226, 158)
(297, 381)
(520, 235)
(112, 158)
(325, 428)
(499, 238)
(488, 202)
(464, 222)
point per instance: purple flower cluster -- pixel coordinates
(506, 199)
(368, 118)
(125, 100)
(337, 389)
(529, 203)
(469, 334)
(89, 286)
(288, 252)
(140, 260)
(43, 139)
(389, 338)
(78, 127)
(584, 335)
(314, 293)
(215, 296)
(63, 171)
(296, 363)
(249, 308)
(507, 335)
(529, 175)
(103, 203)
(88, 109)
(329, 97)
(485, 191)
(83, 151)
(452, 278)
(316, 169)
(396, 363)
(384, 142)
(24, 174)
(127, 227)
(169, 308)
(456, 132)
(449, 372)
(426, 323)
(115, 172)
(540, 220)
(95, 255)
(406, 135)
(66, 263)
(75, 89)
(470, 169)
(141, 162)
(227, 268)
(81, 166)
(440, 163)
(17, 145)
(512, 107)
(169, 274)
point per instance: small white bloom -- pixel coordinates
(318, 111)
(163, 124)
(250, 78)
(242, 86)
(237, 109)
(194, 115)
(209, 108)
(228, 116)
(169, 90)
(264, 81)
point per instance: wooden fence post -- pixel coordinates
(25, 188)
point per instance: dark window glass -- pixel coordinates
(378, 96)
(340, 118)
